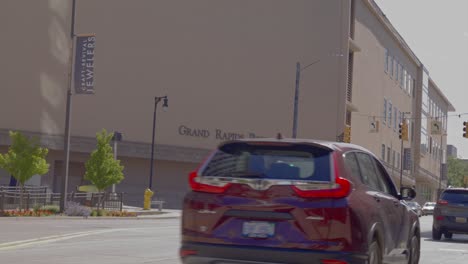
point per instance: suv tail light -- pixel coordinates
(199, 184)
(442, 202)
(187, 252)
(333, 261)
(340, 189)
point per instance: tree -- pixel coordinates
(102, 169)
(457, 170)
(25, 158)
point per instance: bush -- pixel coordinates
(76, 209)
(101, 212)
(55, 209)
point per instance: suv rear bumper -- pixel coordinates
(217, 254)
(448, 225)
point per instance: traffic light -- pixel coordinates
(465, 129)
(403, 131)
(347, 134)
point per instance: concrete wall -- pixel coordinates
(227, 67)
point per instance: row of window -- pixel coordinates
(391, 157)
(392, 116)
(398, 72)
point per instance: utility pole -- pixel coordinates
(296, 95)
(66, 144)
(296, 99)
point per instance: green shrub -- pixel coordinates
(99, 212)
(55, 209)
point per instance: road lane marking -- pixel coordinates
(49, 239)
(453, 250)
(55, 238)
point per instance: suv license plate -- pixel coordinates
(461, 220)
(257, 229)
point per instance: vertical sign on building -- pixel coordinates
(407, 159)
(83, 78)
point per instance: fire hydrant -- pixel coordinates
(147, 200)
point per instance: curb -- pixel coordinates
(90, 218)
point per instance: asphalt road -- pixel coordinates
(37, 241)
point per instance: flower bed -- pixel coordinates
(36, 213)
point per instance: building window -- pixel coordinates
(393, 158)
(405, 75)
(408, 83)
(403, 78)
(395, 116)
(384, 110)
(424, 141)
(387, 60)
(383, 152)
(397, 70)
(392, 70)
(389, 151)
(390, 114)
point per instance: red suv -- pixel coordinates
(296, 201)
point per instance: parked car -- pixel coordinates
(416, 207)
(451, 213)
(296, 201)
(428, 208)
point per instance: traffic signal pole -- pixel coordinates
(403, 136)
(401, 157)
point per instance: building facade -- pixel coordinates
(228, 69)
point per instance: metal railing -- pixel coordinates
(106, 201)
(11, 200)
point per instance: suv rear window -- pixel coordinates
(285, 161)
(455, 196)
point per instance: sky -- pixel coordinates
(437, 32)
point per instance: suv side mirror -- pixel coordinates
(407, 193)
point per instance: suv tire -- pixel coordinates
(414, 250)
(436, 234)
(448, 235)
(375, 253)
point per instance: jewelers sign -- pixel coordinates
(83, 78)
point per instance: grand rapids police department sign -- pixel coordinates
(84, 64)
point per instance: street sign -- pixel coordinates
(83, 78)
(436, 127)
(374, 126)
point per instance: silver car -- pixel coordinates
(428, 208)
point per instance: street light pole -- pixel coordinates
(296, 95)
(165, 106)
(116, 138)
(66, 135)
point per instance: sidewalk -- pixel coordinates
(153, 213)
